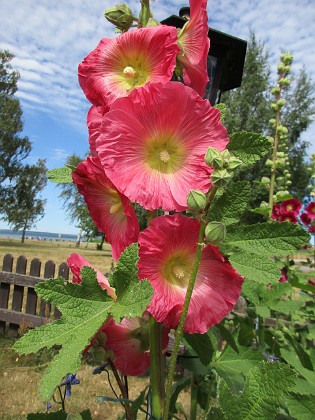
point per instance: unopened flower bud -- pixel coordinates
(279, 163)
(275, 91)
(264, 205)
(234, 163)
(272, 122)
(120, 15)
(281, 67)
(282, 129)
(196, 200)
(280, 154)
(282, 195)
(284, 81)
(309, 169)
(269, 162)
(281, 103)
(213, 157)
(265, 180)
(215, 232)
(288, 183)
(275, 107)
(220, 177)
(287, 58)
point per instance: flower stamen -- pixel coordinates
(164, 156)
(129, 72)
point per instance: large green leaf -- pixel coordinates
(302, 407)
(85, 307)
(249, 147)
(305, 385)
(232, 366)
(268, 239)
(229, 207)
(255, 267)
(202, 346)
(265, 387)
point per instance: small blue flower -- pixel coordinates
(68, 382)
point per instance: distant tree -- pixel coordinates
(74, 204)
(23, 207)
(13, 147)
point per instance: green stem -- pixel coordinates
(193, 397)
(273, 170)
(156, 368)
(179, 331)
(123, 391)
(145, 13)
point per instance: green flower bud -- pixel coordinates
(280, 178)
(265, 180)
(264, 205)
(272, 122)
(309, 169)
(281, 103)
(269, 163)
(309, 187)
(120, 15)
(282, 195)
(288, 175)
(271, 140)
(213, 157)
(288, 183)
(196, 200)
(220, 177)
(287, 58)
(234, 163)
(215, 232)
(279, 163)
(282, 129)
(281, 67)
(284, 81)
(280, 154)
(275, 91)
(275, 107)
(285, 172)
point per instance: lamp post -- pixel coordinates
(225, 59)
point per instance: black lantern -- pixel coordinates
(225, 59)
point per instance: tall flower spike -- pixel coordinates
(76, 262)
(194, 42)
(154, 141)
(166, 257)
(119, 65)
(111, 211)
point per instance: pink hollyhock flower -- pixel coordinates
(305, 219)
(287, 216)
(275, 211)
(166, 256)
(293, 206)
(310, 210)
(194, 42)
(129, 342)
(111, 211)
(119, 65)
(311, 229)
(76, 262)
(284, 276)
(154, 141)
(94, 122)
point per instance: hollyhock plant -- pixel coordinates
(111, 211)
(153, 144)
(310, 210)
(76, 262)
(119, 65)
(167, 250)
(194, 42)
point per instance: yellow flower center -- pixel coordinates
(176, 270)
(129, 72)
(289, 207)
(115, 202)
(164, 154)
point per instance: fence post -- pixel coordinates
(18, 292)
(5, 287)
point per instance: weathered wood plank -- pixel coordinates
(18, 318)
(5, 287)
(19, 279)
(18, 293)
(31, 299)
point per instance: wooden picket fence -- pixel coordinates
(20, 307)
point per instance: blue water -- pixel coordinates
(44, 236)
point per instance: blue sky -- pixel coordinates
(49, 38)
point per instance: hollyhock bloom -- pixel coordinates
(284, 276)
(287, 216)
(194, 42)
(293, 206)
(166, 256)
(94, 122)
(311, 229)
(119, 65)
(305, 219)
(154, 141)
(129, 342)
(310, 210)
(275, 211)
(76, 262)
(111, 211)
